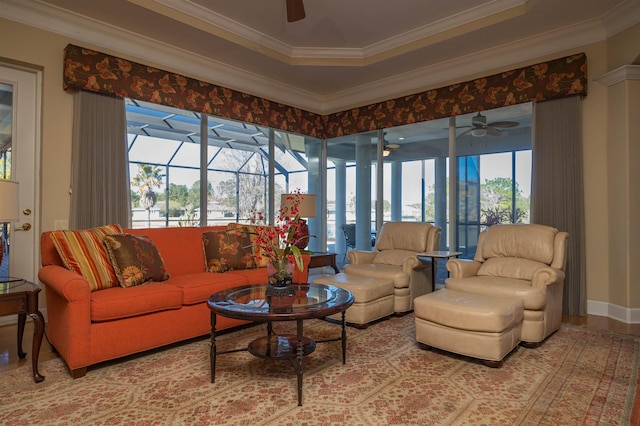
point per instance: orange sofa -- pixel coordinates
(90, 327)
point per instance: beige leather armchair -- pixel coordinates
(395, 257)
(521, 261)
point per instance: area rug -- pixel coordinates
(577, 377)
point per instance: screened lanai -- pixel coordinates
(409, 182)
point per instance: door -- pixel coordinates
(20, 97)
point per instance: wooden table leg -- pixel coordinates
(38, 332)
(334, 265)
(22, 319)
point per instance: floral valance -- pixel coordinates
(99, 72)
(548, 80)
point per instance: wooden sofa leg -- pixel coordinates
(530, 345)
(492, 364)
(79, 372)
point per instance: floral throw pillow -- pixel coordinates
(260, 256)
(135, 259)
(228, 250)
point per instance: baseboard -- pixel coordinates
(12, 319)
(610, 310)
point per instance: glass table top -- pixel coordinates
(308, 301)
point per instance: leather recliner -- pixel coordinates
(395, 257)
(524, 261)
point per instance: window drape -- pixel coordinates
(557, 197)
(100, 192)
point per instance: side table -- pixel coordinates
(320, 259)
(20, 297)
(434, 256)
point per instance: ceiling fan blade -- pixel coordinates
(493, 131)
(466, 132)
(295, 10)
(504, 124)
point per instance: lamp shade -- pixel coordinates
(307, 206)
(9, 208)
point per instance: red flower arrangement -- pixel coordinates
(278, 243)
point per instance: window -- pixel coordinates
(165, 163)
(492, 185)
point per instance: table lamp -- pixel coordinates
(306, 208)
(9, 209)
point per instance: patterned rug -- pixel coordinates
(577, 377)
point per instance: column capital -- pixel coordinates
(620, 74)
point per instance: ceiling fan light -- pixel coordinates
(478, 133)
(385, 153)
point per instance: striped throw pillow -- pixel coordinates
(83, 252)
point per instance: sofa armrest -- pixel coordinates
(68, 313)
(546, 276)
(67, 284)
(361, 256)
(412, 262)
(462, 268)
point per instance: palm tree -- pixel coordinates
(148, 178)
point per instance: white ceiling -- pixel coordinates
(345, 53)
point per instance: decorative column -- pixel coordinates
(440, 199)
(363, 192)
(623, 191)
(396, 191)
(313, 150)
(340, 204)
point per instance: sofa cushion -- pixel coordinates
(530, 241)
(533, 298)
(379, 270)
(253, 231)
(135, 259)
(510, 267)
(117, 303)
(412, 236)
(84, 253)
(227, 250)
(181, 247)
(196, 288)
(393, 257)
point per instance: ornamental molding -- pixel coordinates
(620, 74)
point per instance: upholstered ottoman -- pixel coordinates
(474, 325)
(373, 297)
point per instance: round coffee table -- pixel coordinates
(251, 303)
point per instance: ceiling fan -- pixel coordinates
(480, 128)
(295, 10)
(387, 148)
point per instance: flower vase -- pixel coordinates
(280, 279)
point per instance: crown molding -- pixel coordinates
(190, 13)
(489, 60)
(620, 74)
(625, 15)
(142, 49)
